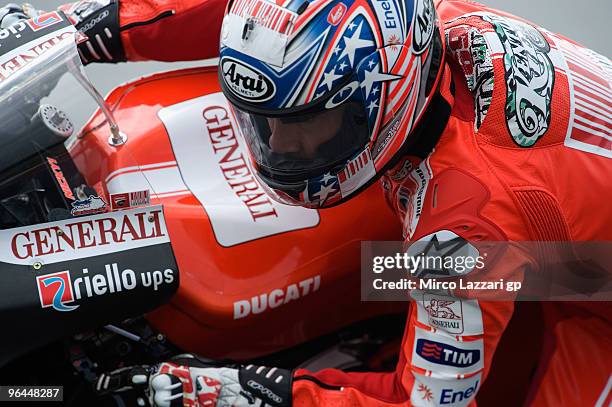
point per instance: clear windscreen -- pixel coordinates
(45, 101)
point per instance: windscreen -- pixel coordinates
(45, 101)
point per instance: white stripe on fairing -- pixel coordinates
(158, 181)
(177, 193)
(139, 167)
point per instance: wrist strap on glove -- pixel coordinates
(272, 385)
(99, 21)
(260, 385)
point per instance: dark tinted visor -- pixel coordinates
(297, 147)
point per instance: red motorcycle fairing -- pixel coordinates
(256, 276)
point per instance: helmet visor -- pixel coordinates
(294, 148)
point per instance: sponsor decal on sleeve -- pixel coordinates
(445, 357)
(420, 178)
(431, 392)
(451, 315)
(470, 48)
(530, 78)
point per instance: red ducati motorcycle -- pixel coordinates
(141, 233)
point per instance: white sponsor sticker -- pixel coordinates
(263, 35)
(431, 392)
(82, 237)
(213, 163)
(445, 357)
(451, 315)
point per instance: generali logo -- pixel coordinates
(247, 82)
(336, 14)
(69, 238)
(233, 164)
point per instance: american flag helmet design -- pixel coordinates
(287, 57)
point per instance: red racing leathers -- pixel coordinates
(497, 173)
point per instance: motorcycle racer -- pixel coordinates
(470, 114)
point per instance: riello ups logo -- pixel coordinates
(62, 292)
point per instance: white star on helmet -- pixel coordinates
(353, 43)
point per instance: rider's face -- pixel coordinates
(305, 137)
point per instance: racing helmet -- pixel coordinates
(326, 93)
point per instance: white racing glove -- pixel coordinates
(189, 381)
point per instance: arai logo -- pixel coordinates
(246, 82)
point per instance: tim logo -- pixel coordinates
(443, 354)
(44, 21)
(55, 290)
